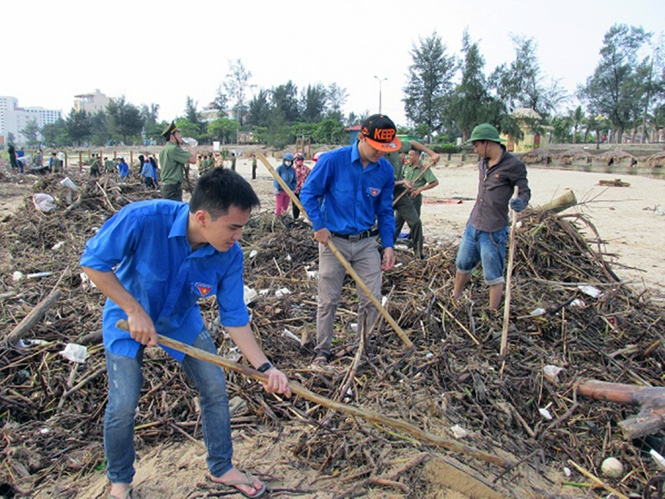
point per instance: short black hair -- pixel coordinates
(219, 189)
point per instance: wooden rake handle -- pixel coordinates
(298, 389)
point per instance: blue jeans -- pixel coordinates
(488, 248)
(125, 380)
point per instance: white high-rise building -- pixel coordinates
(13, 118)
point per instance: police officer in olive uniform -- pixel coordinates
(173, 159)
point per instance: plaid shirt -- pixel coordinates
(301, 174)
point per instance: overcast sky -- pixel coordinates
(163, 52)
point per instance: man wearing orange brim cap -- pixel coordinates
(349, 191)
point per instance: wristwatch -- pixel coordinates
(264, 367)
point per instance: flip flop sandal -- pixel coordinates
(129, 494)
(248, 480)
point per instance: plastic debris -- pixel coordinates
(551, 373)
(280, 293)
(545, 413)
(27, 343)
(75, 353)
(249, 295)
(17, 276)
(67, 182)
(253, 253)
(538, 312)
(39, 274)
(658, 459)
(577, 303)
(290, 335)
(43, 202)
(459, 432)
(590, 290)
(57, 246)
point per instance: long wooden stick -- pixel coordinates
(414, 181)
(509, 275)
(340, 257)
(298, 389)
(31, 319)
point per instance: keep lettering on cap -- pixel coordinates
(381, 133)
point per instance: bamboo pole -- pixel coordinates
(340, 257)
(303, 392)
(509, 274)
(414, 181)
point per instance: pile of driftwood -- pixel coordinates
(571, 319)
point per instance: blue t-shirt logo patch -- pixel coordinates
(203, 289)
(373, 191)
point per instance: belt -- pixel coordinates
(357, 237)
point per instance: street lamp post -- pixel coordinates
(380, 81)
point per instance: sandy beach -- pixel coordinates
(630, 220)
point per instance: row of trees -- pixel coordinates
(445, 97)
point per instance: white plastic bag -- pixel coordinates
(75, 353)
(43, 202)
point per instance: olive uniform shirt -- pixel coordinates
(173, 159)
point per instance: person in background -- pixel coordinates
(109, 165)
(63, 159)
(11, 150)
(149, 174)
(173, 160)
(95, 163)
(154, 260)
(38, 159)
(123, 168)
(416, 183)
(302, 171)
(288, 175)
(484, 240)
(254, 165)
(355, 186)
(56, 163)
(402, 202)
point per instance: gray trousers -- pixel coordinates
(365, 259)
(407, 212)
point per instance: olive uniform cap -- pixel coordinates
(485, 132)
(169, 130)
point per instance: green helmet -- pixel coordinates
(485, 132)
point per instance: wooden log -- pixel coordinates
(651, 400)
(301, 391)
(31, 319)
(617, 182)
(559, 204)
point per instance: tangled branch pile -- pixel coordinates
(51, 410)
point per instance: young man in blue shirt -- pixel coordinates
(153, 260)
(354, 186)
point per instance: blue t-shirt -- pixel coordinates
(352, 197)
(146, 244)
(123, 169)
